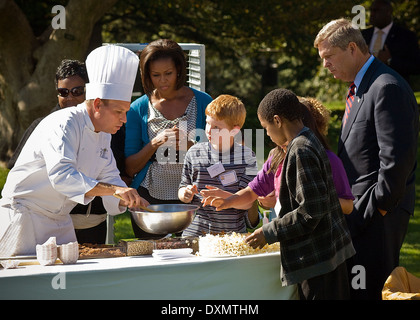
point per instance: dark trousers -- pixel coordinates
(333, 285)
(138, 232)
(377, 252)
(95, 235)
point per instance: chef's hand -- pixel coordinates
(130, 198)
(186, 194)
(256, 239)
(139, 205)
(215, 192)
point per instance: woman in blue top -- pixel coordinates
(161, 125)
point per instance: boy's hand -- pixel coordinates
(187, 193)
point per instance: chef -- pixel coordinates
(68, 160)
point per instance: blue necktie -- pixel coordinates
(349, 103)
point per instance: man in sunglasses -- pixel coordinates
(68, 159)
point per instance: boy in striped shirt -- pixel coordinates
(220, 162)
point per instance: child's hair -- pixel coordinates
(316, 117)
(284, 103)
(320, 113)
(277, 154)
(229, 109)
(313, 118)
(281, 102)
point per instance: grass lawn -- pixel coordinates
(122, 227)
(410, 253)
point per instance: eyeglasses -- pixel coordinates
(76, 91)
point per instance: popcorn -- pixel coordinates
(232, 244)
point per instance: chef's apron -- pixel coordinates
(21, 229)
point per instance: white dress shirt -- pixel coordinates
(384, 35)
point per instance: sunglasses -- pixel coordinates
(76, 91)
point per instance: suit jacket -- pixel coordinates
(404, 48)
(378, 145)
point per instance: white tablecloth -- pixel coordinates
(144, 277)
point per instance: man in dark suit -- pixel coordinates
(378, 147)
(390, 42)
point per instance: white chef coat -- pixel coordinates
(62, 160)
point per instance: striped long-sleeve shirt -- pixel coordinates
(239, 165)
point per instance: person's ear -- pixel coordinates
(277, 120)
(235, 131)
(96, 104)
(352, 47)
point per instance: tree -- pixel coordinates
(28, 62)
(241, 37)
(248, 45)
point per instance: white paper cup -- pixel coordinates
(68, 253)
(46, 253)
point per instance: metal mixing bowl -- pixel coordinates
(173, 218)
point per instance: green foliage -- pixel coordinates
(3, 176)
(241, 37)
(245, 40)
